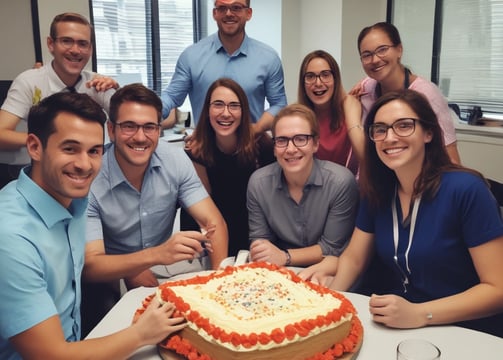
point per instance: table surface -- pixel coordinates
(379, 342)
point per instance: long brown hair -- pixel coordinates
(204, 141)
(378, 182)
(337, 118)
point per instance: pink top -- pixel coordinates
(336, 146)
(428, 89)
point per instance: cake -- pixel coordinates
(259, 311)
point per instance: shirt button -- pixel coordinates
(144, 213)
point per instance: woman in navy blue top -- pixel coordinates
(434, 226)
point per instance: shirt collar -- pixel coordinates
(115, 172)
(48, 208)
(243, 49)
(315, 178)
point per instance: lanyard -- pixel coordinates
(415, 209)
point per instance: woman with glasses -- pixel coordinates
(339, 115)
(381, 50)
(300, 208)
(434, 224)
(225, 152)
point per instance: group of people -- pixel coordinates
(348, 181)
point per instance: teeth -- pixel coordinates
(139, 148)
(225, 123)
(393, 151)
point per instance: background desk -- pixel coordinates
(379, 342)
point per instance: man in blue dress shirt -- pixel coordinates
(42, 242)
(229, 53)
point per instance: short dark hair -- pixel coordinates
(41, 116)
(388, 28)
(70, 17)
(137, 93)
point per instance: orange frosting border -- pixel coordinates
(302, 328)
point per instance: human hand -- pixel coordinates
(156, 323)
(184, 245)
(357, 90)
(145, 278)
(264, 250)
(321, 273)
(102, 83)
(394, 311)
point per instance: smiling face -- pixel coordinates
(401, 154)
(295, 161)
(231, 24)
(380, 67)
(133, 152)
(71, 159)
(224, 122)
(69, 63)
(319, 92)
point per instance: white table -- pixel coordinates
(379, 342)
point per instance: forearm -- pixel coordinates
(107, 267)
(12, 140)
(220, 245)
(264, 123)
(480, 301)
(347, 272)
(306, 256)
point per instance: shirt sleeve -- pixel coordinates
(176, 92)
(257, 219)
(94, 228)
(341, 217)
(275, 88)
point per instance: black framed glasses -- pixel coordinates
(367, 56)
(68, 43)
(131, 128)
(402, 127)
(299, 140)
(219, 106)
(325, 76)
(235, 9)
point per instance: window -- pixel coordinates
(140, 40)
(470, 56)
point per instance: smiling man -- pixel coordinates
(300, 208)
(134, 199)
(230, 53)
(42, 242)
(70, 44)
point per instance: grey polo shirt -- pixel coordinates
(325, 215)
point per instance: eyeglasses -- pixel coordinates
(220, 106)
(367, 56)
(235, 9)
(131, 128)
(299, 140)
(68, 42)
(325, 76)
(402, 127)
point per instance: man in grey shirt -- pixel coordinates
(300, 208)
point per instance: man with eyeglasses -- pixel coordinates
(133, 203)
(70, 43)
(229, 53)
(300, 209)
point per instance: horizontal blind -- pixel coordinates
(471, 59)
(124, 38)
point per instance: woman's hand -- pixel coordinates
(396, 312)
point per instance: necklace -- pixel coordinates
(415, 208)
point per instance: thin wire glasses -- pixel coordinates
(325, 76)
(220, 106)
(402, 127)
(235, 9)
(299, 140)
(131, 128)
(68, 43)
(367, 56)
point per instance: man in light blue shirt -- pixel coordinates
(229, 53)
(42, 242)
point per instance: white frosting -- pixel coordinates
(256, 300)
